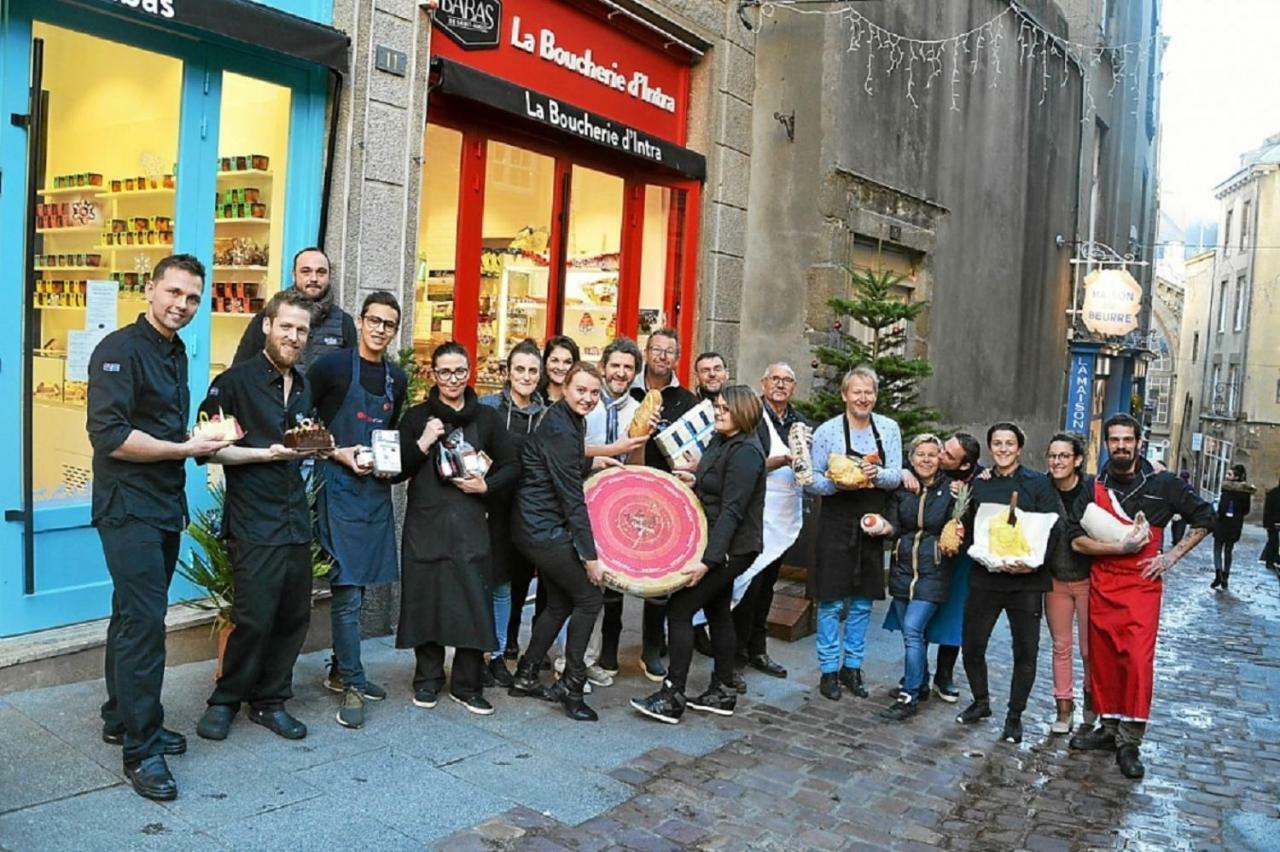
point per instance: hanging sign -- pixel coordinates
(1112, 301)
(471, 24)
(1079, 393)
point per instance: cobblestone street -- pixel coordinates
(789, 771)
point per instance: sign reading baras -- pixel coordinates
(471, 24)
(1112, 301)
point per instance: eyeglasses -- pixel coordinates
(720, 408)
(379, 322)
(1061, 456)
(458, 375)
(666, 353)
(780, 380)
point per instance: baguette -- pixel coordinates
(641, 422)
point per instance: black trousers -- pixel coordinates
(570, 597)
(272, 611)
(521, 571)
(1222, 552)
(468, 664)
(713, 596)
(141, 560)
(611, 629)
(751, 617)
(981, 611)
(1271, 553)
(947, 656)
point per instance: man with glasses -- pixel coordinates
(355, 394)
(332, 328)
(661, 354)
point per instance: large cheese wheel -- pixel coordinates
(648, 527)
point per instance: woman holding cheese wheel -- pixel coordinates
(857, 464)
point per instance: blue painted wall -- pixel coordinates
(320, 11)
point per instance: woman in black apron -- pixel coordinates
(848, 573)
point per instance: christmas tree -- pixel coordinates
(884, 314)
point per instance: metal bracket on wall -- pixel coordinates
(788, 123)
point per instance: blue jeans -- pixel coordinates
(501, 614)
(856, 614)
(344, 623)
(914, 616)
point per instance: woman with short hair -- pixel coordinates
(730, 484)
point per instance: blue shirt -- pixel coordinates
(829, 438)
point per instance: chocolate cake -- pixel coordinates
(308, 435)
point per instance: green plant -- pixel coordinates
(884, 313)
(208, 564)
(407, 360)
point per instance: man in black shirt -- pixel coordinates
(661, 354)
(1016, 590)
(712, 375)
(332, 328)
(357, 393)
(267, 522)
(138, 408)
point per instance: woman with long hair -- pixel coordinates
(730, 484)
(560, 353)
(1233, 506)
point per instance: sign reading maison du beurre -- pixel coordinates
(569, 54)
(1112, 302)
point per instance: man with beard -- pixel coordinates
(137, 420)
(267, 522)
(357, 393)
(331, 327)
(607, 435)
(1125, 589)
(661, 354)
(712, 375)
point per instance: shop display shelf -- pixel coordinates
(137, 193)
(231, 268)
(77, 229)
(239, 314)
(73, 269)
(247, 173)
(156, 247)
(246, 220)
(70, 190)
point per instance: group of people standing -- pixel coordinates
(474, 539)
(1105, 592)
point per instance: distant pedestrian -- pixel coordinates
(1271, 523)
(1234, 502)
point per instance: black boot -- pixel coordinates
(829, 686)
(1100, 738)
(525, 683)
(575, 708)
(651, 641)
(852, 680)
(1217, 580)
(1130, 762)
(497, 670)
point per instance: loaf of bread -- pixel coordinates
(641, 422)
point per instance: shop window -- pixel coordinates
(593, 246)
(249, 262)
(104, 217)
(437, 241)
(515, 249)
(658, 243)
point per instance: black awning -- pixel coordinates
(239, 20)
(455, 79)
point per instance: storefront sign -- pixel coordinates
(1112, 300)
(573, 56)
(1079, 393)
(456, 79)
(160, 8)
(472, 24)
(1197, 441)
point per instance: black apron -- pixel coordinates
(849, 563)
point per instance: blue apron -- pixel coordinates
(356, 518)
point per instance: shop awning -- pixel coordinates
(452, 78)
(242, 21)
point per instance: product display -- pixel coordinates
(684, 442)
(458, 459)
(386, 451)
(952, 536)
(847, 473)
(799, 443)
(308, 435)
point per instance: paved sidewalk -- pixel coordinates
(790, 771)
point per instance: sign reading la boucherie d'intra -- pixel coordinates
(1112, 302)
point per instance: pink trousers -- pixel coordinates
(1066, 603)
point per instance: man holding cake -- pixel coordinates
(357, 393)
(267, 521)
(332, 328)
(138, 409)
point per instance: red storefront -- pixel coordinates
(557, 194)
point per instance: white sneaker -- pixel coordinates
(597, 676)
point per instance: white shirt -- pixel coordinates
(597, 421)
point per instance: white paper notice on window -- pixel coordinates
(80, 346)
(101, 306)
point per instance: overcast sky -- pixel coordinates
(1221, 95)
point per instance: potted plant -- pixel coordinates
(208, 564)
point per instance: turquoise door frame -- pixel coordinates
(72, 583)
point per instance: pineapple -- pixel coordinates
(952, 538)
(1007, 538)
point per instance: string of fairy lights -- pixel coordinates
(922, 63)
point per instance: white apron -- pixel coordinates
(782, 516)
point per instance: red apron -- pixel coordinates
(1124, 614)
